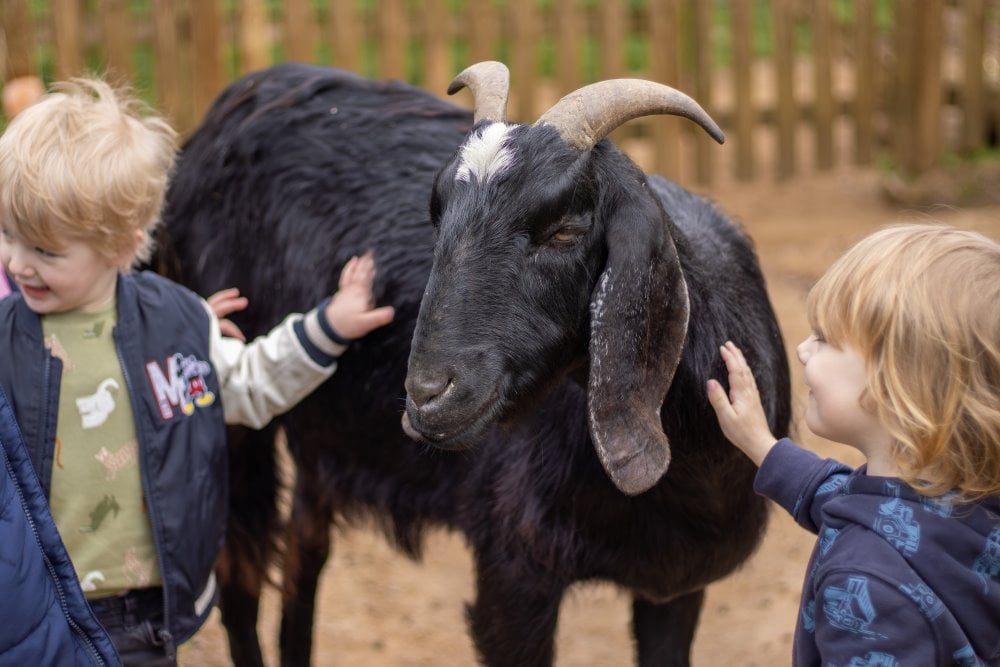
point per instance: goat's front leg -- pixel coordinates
(513, 619)
(239, 607)
(307, 551)
(664, 632)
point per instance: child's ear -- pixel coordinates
(123, 260)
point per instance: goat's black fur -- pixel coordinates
(297, 168)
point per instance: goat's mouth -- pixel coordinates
(463, 430)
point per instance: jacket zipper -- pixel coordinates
(164, 635)
(51, 568)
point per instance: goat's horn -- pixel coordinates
(589, 114)
(489, 82)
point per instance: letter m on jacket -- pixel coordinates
(181, 385)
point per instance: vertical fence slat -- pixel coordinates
(744, 111)
(930, 33)
(664, 67)
(119, 45)
(67, 19)
(972, 101)
(185, 58)
(207, 40)
(254, 35)
(704, 147)
(165, 41)
(482, 31)
(438, 35)
(904, 84)
(611, 28)
(346, 33)
(191, 39)
(569, 30)
(19, 36)
(300, 30)
(823, 36)
(393, 38)
(784, 65)
(523, 16)
(866, 83)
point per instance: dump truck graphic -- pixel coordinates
(895, 523)
(850, 608)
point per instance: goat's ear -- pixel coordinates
(638, 321)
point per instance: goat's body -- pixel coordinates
(298, 168)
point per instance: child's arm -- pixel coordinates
(268, 376)
(741, 414)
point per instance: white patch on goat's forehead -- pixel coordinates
(485, 155)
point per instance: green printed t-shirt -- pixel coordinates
(97, 498)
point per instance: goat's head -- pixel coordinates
(552, 258)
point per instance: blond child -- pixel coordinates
(121, 381)
(904, 365)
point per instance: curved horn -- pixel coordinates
(489, 82)
(589, 114)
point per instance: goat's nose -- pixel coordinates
(424, 387)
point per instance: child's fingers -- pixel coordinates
(740, 376)
(227, 301)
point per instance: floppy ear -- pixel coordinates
(638, 322)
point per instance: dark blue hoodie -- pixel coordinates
(896, 578)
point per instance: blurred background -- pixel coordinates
(912, 85)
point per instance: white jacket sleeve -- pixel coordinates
(272, 373)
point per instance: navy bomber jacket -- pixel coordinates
(175, 362)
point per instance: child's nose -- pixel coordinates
(16, 263)
(803, 349)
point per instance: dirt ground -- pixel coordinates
(379, 609)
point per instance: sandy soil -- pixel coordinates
(379, 609)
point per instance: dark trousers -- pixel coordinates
(135, 622)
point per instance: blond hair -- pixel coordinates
(89, 163)
(921, 304)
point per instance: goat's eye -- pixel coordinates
(563, 236)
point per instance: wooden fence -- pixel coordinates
(796, 84)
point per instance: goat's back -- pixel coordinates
(275, 190)
(295, 169)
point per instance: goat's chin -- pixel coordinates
(458, 437)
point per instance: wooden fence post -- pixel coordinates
(787, 106)
(823, 36)
(929, 93)
(206, 58)
(742, 72)
(301, 35)
(664, 54)
(703, 72)
(393, 36)
(972, 98)
(866, 82)
(569, 30)
(67, 18)
(346, 34)
(119, 45)
(19, 37)
(523, 17)
(254, 35)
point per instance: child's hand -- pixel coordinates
(351, 312)
(740, 414)
(223, 303)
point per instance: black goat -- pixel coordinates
(569, 294)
